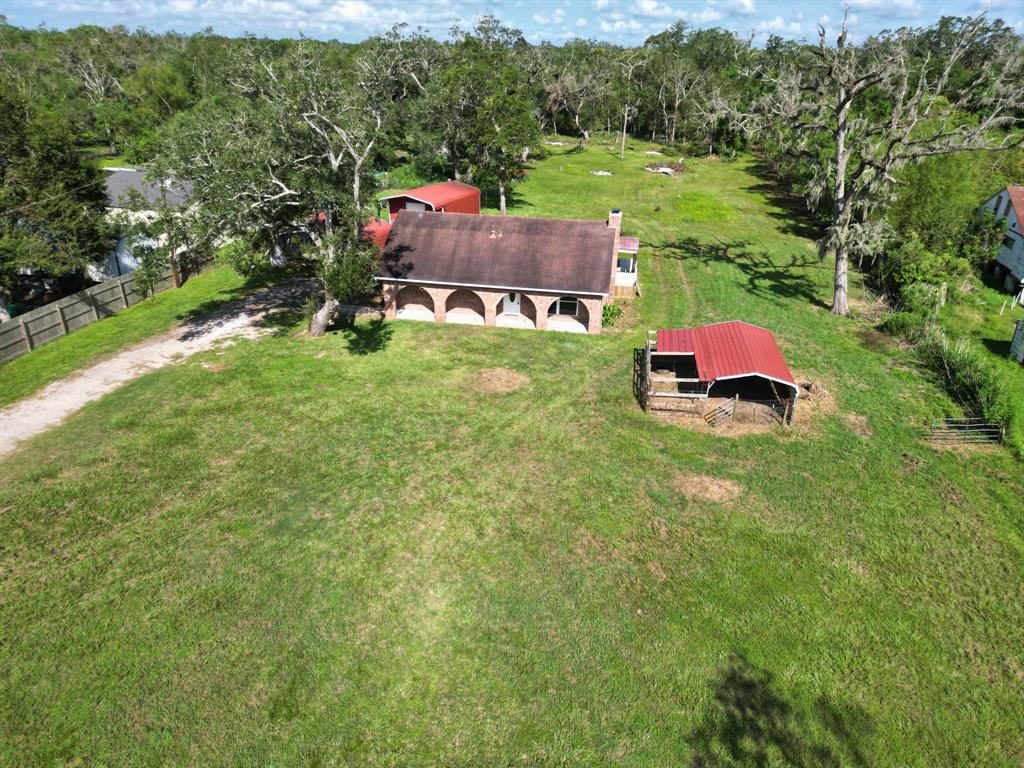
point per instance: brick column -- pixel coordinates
(490, 300)
(390, 292)
(439, 296)
(594, 307)
(542, 304)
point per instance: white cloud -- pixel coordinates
(581, 22)
(705, 16)
(746, 7)
(612, 24)
(903, 9)
(602, 4)
(653, 8)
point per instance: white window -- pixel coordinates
(411, 206)
(565, 305)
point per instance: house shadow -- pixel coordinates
(998, 347)
(365, 338)
(794, 217)
(751, 723)
(765, 277)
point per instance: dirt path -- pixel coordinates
(242, 318)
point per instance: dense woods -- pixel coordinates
(891, 142)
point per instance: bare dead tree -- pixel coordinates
(925, 114)
(630, 64)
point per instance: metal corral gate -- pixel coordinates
(964, 432)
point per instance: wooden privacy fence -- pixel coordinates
(964, 431)
(59, 318)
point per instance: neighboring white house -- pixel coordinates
(1008, 203)
(119, 182)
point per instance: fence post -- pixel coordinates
(60, 316)
(124, 296)
(92, 303)
(24, 334)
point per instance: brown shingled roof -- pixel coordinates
(500, 252)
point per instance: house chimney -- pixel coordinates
(615, 224)
(615, 220)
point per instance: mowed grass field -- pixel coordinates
(350, 552)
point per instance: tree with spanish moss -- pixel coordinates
(858, 113)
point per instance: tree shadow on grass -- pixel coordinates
(765, 276)
(279, 307)
(365, 338)
(795, 218)
(750, 723)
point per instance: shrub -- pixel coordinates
(906, 325)
(610, 314)
(974, 380)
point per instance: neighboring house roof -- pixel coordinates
(438, 195)
(629, 244)
(377, 231)
(505, 252)
(1017, 201)
(121, 180)
(728, 351)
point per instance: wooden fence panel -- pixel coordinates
(71, 313)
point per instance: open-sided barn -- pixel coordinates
(730, 360)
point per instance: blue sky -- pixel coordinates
(620, 21)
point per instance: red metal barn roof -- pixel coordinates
(729, 350)
(377, 231)
(443, 195)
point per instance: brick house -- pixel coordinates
(515, 272)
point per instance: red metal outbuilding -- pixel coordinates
(730, 350)
(448, 196)
(377, 231)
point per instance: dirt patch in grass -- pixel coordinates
(708, 488)
(499, 381)
(815, 400)
(875, 339)
(858, 424)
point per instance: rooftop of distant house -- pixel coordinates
(120, 181)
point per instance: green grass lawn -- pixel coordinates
(29, 373)
(344, 552)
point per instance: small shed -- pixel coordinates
(723, 361)
(447, 197)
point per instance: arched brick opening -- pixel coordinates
(414, 303)
(526, 317)
(559, 319)
(463, 306)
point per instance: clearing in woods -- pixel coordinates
(409, 543)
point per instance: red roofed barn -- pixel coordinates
(448, 197)
(734, 360)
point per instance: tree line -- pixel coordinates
(282, 140)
